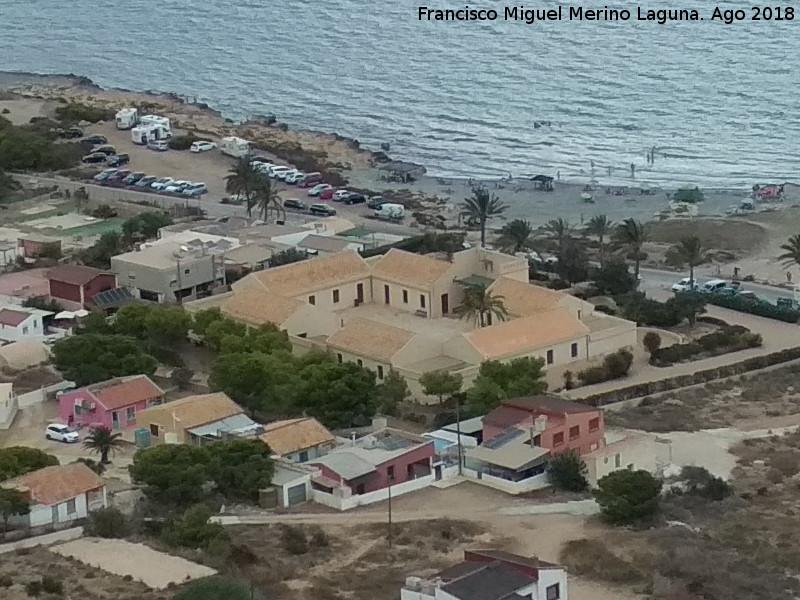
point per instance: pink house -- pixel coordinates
(113, 403)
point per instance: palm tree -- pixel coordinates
(103, 442)
(601, 226)
(791, 248)
(480, 207)
(632, 234)
(692, 252)
(266, 197)
(242, 180)
(560, 230)
(516, 236)
(480, 305)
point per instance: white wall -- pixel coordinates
(372, 497)
(537, 482)
(548, 577)
(30, 328)
(635, 452)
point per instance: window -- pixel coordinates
(422, 300)
(131, 413)
(549, 357)
(153, 429)
(390, 473)
(186, 271)
(131, 275)
(173, 282)
(380, 372)
(574, 350)
(594, 424)
(360, 362)
(553, 592)
(71, 508)
(617, 461)
(34, 323)
(558, 438)
(25, 330)
(339, 358)
(405, 296)
(335, 296)
(312, 300)
(302, 335)
(574, 432)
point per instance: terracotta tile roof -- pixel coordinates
(53, 485)
(191, 411)
(548, 404)
(370, 339)
(413, 270)
(294, 435)
(521, 336)
(506, 416)
(314, 274)
(124, 391)
(256, 306)
(524, 299)
(74, 274)
(11, 317)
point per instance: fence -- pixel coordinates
(40, 395)
(536, 482)
(340, 503)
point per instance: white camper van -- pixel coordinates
(390, 211)
(156, 121)
(142, 134)
(127, 118)
(234, 146)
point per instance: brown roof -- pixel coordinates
(521, 336)
(53, 485)
(551, 404)
(314, 274)
(256, 306)
(74, 274)
(124, 391)
(294, 435)
(523, 299)
(406, 268)
(12, 318)
(192, 411)
(370, 339)
(325, 243)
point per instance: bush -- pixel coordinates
(193, 529)
(6, 581)
(615, 366)
(33, 588)
(730, 338)
(700, 482)
(51, 585)
(762, 309)
(294, 540)
(104, 211)
(182, 142)
(567, 472)
(214, 588)
(628, 496)
(107, 523)
(652, 342)
(75, 112)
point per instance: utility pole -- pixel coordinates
(390, 515)
(179, 295)
(458, 434)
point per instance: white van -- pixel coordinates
(393, 212)
(127, 118)
(235, 147)
(713, 286)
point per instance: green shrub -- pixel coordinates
(75, 112)
(51, 585)
(182, 142)
(294, 540)
(6, 581)
(107, 523)
(729, 338)
(762, 309)
(615, 366)
(33, 588)
(567, 471)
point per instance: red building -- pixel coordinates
(554, 424)
(79, 284)
(374, 462)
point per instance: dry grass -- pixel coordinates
(722, 234)
(772, 393)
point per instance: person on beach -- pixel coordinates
(648, 157)
(558, 175)
(633, 170)
(653, 155)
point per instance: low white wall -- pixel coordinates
(372, 497)
(536, 482)
(43, 540)
(40, 395)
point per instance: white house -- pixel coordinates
(491, 575)
(20, 323)
(58, 494)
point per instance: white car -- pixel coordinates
(202, 146)
(685, 285)
(177, 186)
(262, 168)
(341, 194)
(295, 177)
(281, 174)
(275, 170)
(161, 183)
(319, 188)
(61, 433)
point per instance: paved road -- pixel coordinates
(658, 284)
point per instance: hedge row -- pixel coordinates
(648, 388)
(761, 309)
(615, 366)
(730, 338)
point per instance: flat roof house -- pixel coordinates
(114, 404)
(78, 284)
(58, 494)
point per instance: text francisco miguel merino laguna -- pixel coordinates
(559, 13)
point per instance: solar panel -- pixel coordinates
(503, 438)
(115, 296)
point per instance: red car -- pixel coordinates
(327, 194)
(311, 179)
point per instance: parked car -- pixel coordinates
(94, 157)
(293, 203)
(105, 174)
(355, 199)
(195, 189)
(322, 210)
(118, 160)
(683, 285)
(340, 195)
(61, 433)
(133, 178)
(146, 181)
(327, 194)
(158, 145)
(71, 133)
(276, 170)
(281, 173)
(713, 286)
(118, 176)
(202, 146)
(376, 202)
(177, 187)
(311, 179)
(96, 139)
(319, 188)
(294, 177)
(161, 183)
(106, 149)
